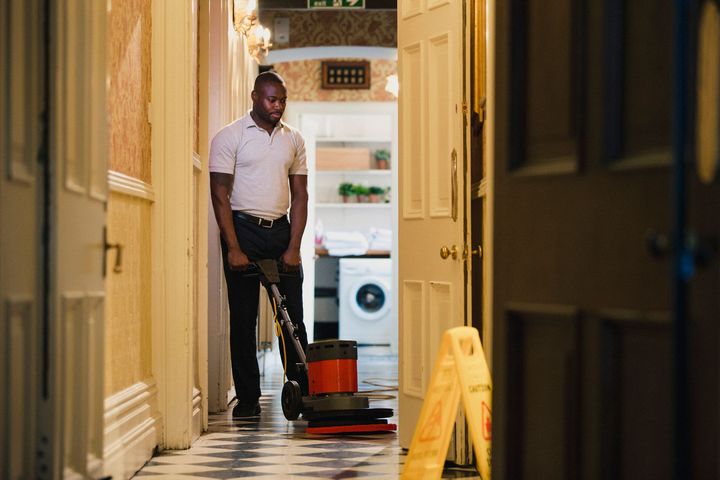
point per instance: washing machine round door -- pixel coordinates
(370, 299)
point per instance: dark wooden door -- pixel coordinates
(583, 265)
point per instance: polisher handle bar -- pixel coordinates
(269, 271)
(287, 324)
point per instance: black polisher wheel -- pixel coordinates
(291, 400)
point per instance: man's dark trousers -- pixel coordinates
(258, 242)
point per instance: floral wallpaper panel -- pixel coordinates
(303, 80)
(331, 28)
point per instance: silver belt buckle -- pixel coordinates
(266, 223)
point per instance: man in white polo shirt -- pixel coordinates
(257, 171)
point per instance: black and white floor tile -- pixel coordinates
(270, 447)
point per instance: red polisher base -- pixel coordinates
(372, 428)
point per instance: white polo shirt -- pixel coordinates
(261, 163)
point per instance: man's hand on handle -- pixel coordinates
(291, 257)
(237, 260)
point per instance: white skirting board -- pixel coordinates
(132, 429)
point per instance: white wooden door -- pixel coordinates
(73, 409)
(21, 190)
(432, 289)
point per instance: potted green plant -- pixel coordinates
(346, 190)
(382, 157)
(361, 192)
(375, 192)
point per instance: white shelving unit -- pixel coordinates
(370, 125)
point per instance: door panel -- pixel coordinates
(635, 404)
(703, 308)
(413, 180)
(544, 104)
(413, 373)
(638, 125)
(432, 198)
(78, 155)
(21, 192)
(543, 378)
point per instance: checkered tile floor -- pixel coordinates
(270, 447)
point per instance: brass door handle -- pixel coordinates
(117, 268)
(446, 252)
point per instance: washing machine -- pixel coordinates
(365, 301)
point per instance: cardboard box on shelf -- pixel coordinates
(343, 158)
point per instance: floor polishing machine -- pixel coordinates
(333, 404)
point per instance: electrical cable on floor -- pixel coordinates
(374, 382)
(376, 394)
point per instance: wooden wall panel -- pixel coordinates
(128, 327)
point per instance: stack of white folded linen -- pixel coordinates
(346, 243)
(380, 239)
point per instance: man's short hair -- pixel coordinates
(267, 77)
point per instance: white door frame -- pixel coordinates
(230, 76)
(172, 219)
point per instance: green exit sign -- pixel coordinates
(336, 3)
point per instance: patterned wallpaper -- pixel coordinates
(303, 83)
(128, 307)
(129, 25)
(330, 28)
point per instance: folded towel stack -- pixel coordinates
(346, 243)
(380, 239)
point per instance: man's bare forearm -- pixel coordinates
(220, 188)
(298, 210)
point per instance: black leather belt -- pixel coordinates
(259, 221)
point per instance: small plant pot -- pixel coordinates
(382, 164)
(362, 198)
(374, 198)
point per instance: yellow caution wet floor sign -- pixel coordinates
(460, 371)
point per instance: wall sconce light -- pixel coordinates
(246, 22)
(258, 42)
(244, 18)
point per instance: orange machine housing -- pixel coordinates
(332, 376)
(332, 367)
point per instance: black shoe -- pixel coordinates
(244, 410)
